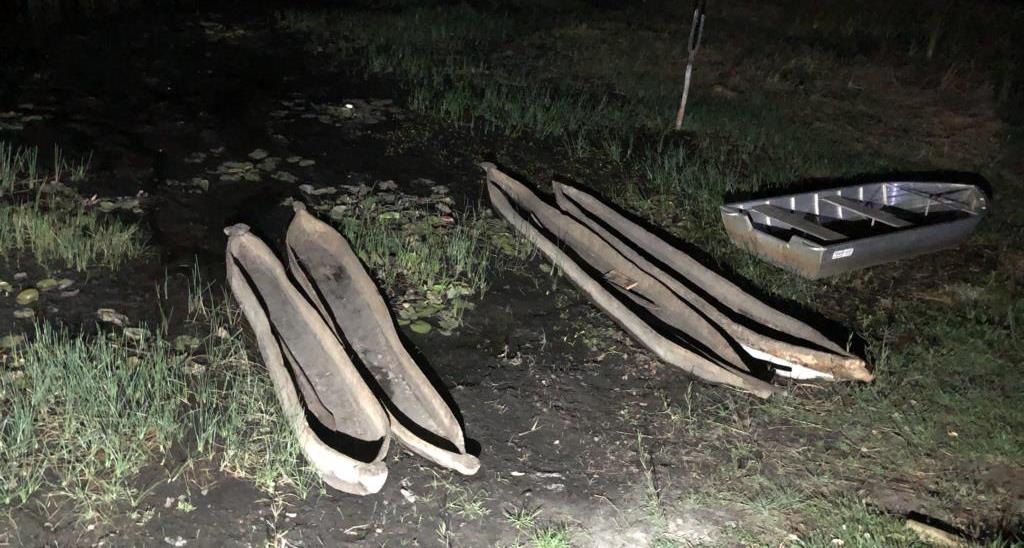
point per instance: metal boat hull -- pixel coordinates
(820, 234)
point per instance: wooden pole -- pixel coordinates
(696, 32)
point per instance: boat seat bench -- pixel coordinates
(798, 222)
(864, 210)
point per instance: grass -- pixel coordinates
(41, 218)
(570, 81)
(551, 537)
(419, 254)
(88, 412)
(68, 238)
(941, 410)
(522, 519)
(18, 169)
(537, 535)
(431, 263)
(466, 502)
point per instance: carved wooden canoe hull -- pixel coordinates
(799, 350)
(627, 294)
(333, 278)
(340, 425)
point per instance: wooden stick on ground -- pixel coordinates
(696, 32)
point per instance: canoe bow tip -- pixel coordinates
(363, 479)
(864, 375)
(468, 465)
(236, 229)
(374, 481)
(298, 206)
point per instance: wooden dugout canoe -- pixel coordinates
(331, 274)
(797, 349)
(341, 427)
(638, 309)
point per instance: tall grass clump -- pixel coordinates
(18, 169)
(42, 218)
(68, 238)
(86, 413)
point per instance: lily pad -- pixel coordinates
(137, 334)
(6, 288)
(338, 212)
(427, 309)
(27, 296)
(236, 171)
(284, 176)
(259, 154)
(185, 343)
(448, 324)
(9, 342)
(65, 283)
(109, 315)
(47, 284)
(24, 313)
(420, 326)
(268, 164)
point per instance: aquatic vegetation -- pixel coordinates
(428, 258)
(351, 113)
(17, 119)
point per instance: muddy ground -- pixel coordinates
(553, 394)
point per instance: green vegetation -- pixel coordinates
(430, 259)
(528, 528)
(551, 537)
(67, 238)
(87, 412)
(42, 218)
(418, 250)
(590, 95)
(466, 502)
(522, 519)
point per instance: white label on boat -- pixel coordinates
(842, 253)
